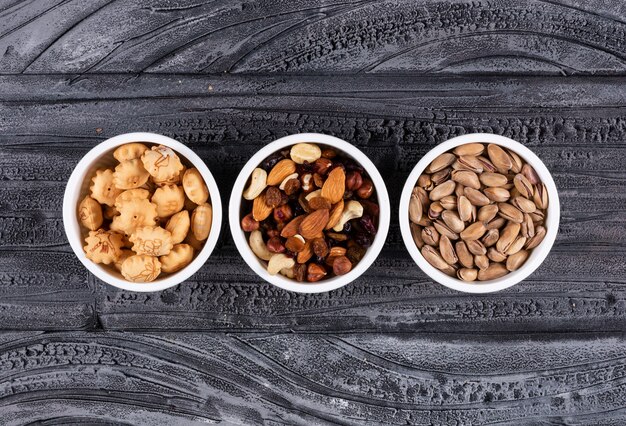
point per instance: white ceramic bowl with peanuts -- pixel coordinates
(537, 255)
(259, 266)
(77, 188)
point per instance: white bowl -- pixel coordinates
(537, 255)
(257, 265)
(78, 187)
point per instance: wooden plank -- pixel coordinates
(351, 36)
(303, 379)
(576, 126)
(394, 296)
(43, 292)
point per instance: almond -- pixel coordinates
(260, 209)
(335, 215)
(280, 171)
(313, 224)
(305, 254)
(291, 228)
(335, 185)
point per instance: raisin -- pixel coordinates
(269, 163)
(320, 248)
(273, 197)
(299, 272)
(367, 224)
(355, 253)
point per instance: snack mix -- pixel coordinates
(311, 213)
(478, 211)
(148, 216)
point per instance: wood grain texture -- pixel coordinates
(557, 37)
(393, 77)
(576, 126)
(280, 379)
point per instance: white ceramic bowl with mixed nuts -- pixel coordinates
(309, 213)
(479, 213)
(142, 212)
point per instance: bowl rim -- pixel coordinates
(71, 199)
(279, 280)
(537, 255)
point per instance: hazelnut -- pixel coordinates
(275, 245)
(248, 224)
(366, 189)
(320, 248)
(322, 165)
(353, 181)
(341, 265)
(315, 272)
(272, 233)
(283, 214)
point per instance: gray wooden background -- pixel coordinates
(395, 78)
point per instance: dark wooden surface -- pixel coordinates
(394, 78)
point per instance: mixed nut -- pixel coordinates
(147, 216)
(477, 212)
(311, 212)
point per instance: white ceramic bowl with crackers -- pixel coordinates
(78, 186)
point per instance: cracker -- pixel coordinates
(176, 180)
(134, 214)
(109, 212)
(130, 174)
(178, 226)
(125, 255)
(152, 241)
(103, 246)
(201, 220)
(162, 163)
(195, 187)
(141, 268)
(180, 256)
(131, 194)
(103, 190)
(90, 213)
(129, 151)
(169, 199)
(193, 241)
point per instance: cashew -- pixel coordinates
(352, 210)
(288, 272)
(258, 182)
(287, 179)
(311, 195)
(258, 246)
(279, 261)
